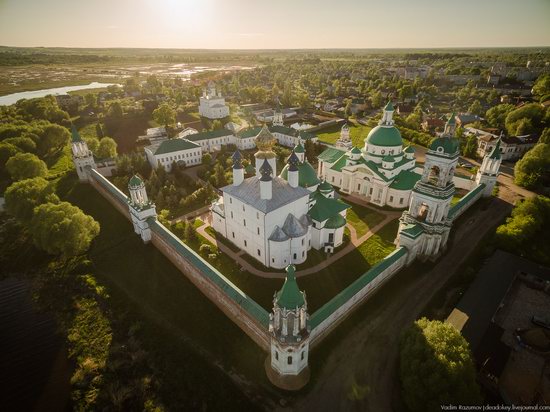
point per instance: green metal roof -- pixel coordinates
(344, 296)
(299, 148)
(452, 119)
(325, 187)
(250, 132)
(325, 208)
(389, 107)
(331, 155)
(75, 136)
(409, 149)
(412, 230)
(213, 134)
(205, 269)
(450, 145)
(175, 145)
(405, 180)
(495, 153)
(135, 181)
(335, 222)
(341, 163)
(355, 150)
(290, 296)
(388, 158)
(307, 176)
(384, 136)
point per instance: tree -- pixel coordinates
(217, 125)
(533, 112)
(53, 138)
(530, 170)
(496, 116)
(190, 234)
(436, 367)
(115, 110)
(6, 151)
(545, 136)
(26, 166)
(25, 144)
(164, 115)
(99, 131)
(475, 108)
(542, 86)
(90, 100)
(206, 159)
(23, 196)
(107, 148)
(92, 142)
(469, 149)
(62, 229)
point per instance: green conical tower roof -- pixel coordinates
(451, 119)
(75, 136)
(299, 148)
(389, 107)
(290, 296)
(135, 181)
(495, 154)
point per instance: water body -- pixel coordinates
(15, 97)
(34, 369)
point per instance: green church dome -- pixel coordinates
(307, 176)
(356, 150)
(384, 136)
(447, 145)
(325, 187)
(335, 222)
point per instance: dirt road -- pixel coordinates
(359, 371)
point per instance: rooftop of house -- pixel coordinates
(172, 145)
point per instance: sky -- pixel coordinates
(275, 24)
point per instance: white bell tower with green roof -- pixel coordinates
(278, 115)
(287, 365)
(83, 157)
(141, 208)
(488, 171)
(424, 228)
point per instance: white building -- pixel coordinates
(212, 104)
(382, 172)
(277, 220)
(344, 142)
(181, 151)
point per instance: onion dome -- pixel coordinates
(237, 160)
(293, 162)
(135, 182)
(325, 187)
(299, 148)
(290, 296)
(75, 136)
(266, 171)
(445, 145)
(265, 140)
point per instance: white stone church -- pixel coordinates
(212, 104)
(278, 219)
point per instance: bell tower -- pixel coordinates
(278, 115)
(424, 228)
(141, 209)
(287, 365)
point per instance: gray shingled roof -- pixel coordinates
(249, 192)
(278, 235)
(293, 227)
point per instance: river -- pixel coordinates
(34, 369)
(15, 97)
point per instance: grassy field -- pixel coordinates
(363, 218)
(358, 134)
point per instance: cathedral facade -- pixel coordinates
(212, 104)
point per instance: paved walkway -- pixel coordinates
(352, 245)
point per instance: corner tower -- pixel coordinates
(287, 365)
(141, 209)
(488, 172)
(83, 157)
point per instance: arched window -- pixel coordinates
(433, 177)
(423, 212)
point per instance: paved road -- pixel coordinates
(366, 357)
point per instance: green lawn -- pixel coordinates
(358, 134)
(363, 218)
(381, 244)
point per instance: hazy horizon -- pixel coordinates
(275, 25)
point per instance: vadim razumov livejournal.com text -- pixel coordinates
(498, 407)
